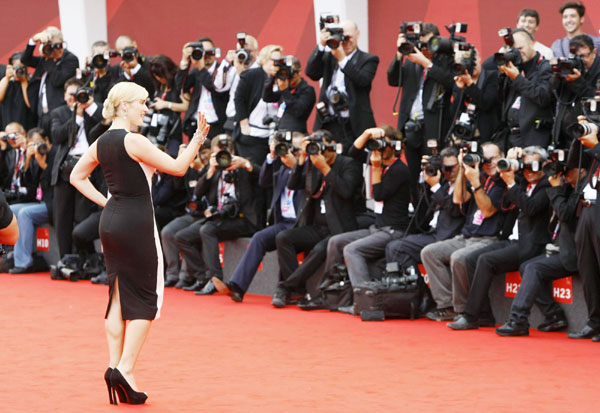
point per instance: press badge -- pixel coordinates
(378, 207)
(478, 218)
(323, 209)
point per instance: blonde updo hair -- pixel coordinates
(122, 92)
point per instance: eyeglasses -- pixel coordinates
(448, 168)
(584, 55)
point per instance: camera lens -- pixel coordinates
(430, 170)
(242, 55)
(47, 49)
(282, 149)
(99, 62)
(333, 42)
(82, 96)
(471, 159)
(223, 158)
(313, 148)
(375, 144)
(197, 53)
(42, 148)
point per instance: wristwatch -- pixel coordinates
(247, 165)
(476, 189)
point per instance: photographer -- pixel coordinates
(101, 75)
(527, 101)
(162, 123)
(175, 272)
(426, 81)
(445, 261)
(587, 236)
(252, 113)
(18, 175)
(391, 193)
(199, 58)
(295, 97)
(235, 210)
(347, 74)
(14, 101)
(52, 70)
(528, 198)
(133, 66)
(576, 78)
(447, 220)
(330, 182)
(72, 123)
(282, 214)
(538, 273)
(477, 85)
(38, 212)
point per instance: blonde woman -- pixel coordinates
(128, 231)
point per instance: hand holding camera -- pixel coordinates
(509, 70)
(590, 138)
(556, 180)
(419, 58)
(463, 80)
(41, 37)
(324, 36)
(318, 160)
(159, 104)
(375, 159)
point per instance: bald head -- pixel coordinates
(124, 41)
(352, 33)
(525, 44)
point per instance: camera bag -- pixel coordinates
(378, 298)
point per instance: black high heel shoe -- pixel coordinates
(107, 375)
(126, 393)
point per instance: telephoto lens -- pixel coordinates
(471, 159)
(505, 164)
(376, 144)
(41, 148)
(223, 158)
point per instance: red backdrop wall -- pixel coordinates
(163, 27)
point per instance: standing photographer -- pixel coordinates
(330, 182)
(295, 97)
(230, 186)
(101, 77)
(72, 124)
(426, 81)
(14, 101)
(133, 66)
(527, 103)
(52, 70)
(576, 78)
(347, 74)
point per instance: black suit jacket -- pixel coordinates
(269, 178)
(142, 77)
(358, 76)
(298, 104)
(247, 192)
(439, 83)
(564, 200)
(341, 186)
(534, 216)
(64, 132)
(451, 219)
(28, 179)
(595, 153)
(58, 73)
(193, 83)
(249, 92)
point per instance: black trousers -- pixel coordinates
(588, 262)
(292, 241)
(253, 149)
(86, 232)
(165, 214)
(492, 261)
(70, 207)
(407, 251)
(199, 244)
(537, 275)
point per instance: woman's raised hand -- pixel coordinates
(202, 129)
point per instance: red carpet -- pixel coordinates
(209, 354)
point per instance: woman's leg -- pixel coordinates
(135, 336)
(115, 328)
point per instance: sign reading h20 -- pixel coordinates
(562, 289)
(43, 239)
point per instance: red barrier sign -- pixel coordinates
(43, 239)
(222, 254)
(562, 289)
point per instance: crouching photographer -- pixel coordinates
(575, 78)
(230, 186)
(296, 98)
(19, 174)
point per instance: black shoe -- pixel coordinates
(310, 303)
(585, 332)
(122, 388)
(554, 323)
(231, 289)
(197, 286)
(596, 338)
(171, 282)
(280, 298)
(441, 314)
(463, 323)
(512, 329)
(208, 289)
(101, 278)
(183, 283)
(348, 309)
(107, 375)
(20, 270)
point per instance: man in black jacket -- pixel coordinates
(235, 210)
(527, 102)
(284, 205)
(347, 74)
(427, 83)
(133, 66)
(538, 273)
(72, 124)
(296, 98)
(46, 86)
(573, 86)
(330, 182)
(528, 238)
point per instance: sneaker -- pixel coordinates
(441, 314)
(279, 298)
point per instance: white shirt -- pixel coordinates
(515, 232)
(205, 102)
(436, 214)
(338, 79)
(81, 144)
(545, 51)
(230, 110)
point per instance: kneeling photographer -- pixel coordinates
(296, 98)
(19, 175)
(235, 209)
(575, 78)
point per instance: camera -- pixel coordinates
(432, 165)
(223, 157)
(41, 148)
(506, 34)
(20, 71)
(337, 37)
(412, 32)
(316, 144)
(557, 161)
(196, 207)
(327, 19)
(285, 70)
(511, 55)
(465, 64)
(284, 142)
(242, 54)
(338, 99)
(216, 52)
(230, 208)
(155, 126)
(473, 154)
(10, 136)
(567, 65)
(448, 45)
(83, 94)
(48, 48)
(397, 278)
(380, 144)
(100, 61)
(464, 127)
(506, 164)
(197, 50)
(129, 53)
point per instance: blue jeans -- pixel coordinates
(29, 215)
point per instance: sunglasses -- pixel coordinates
(448, 168)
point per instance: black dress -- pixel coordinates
(128, 231)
